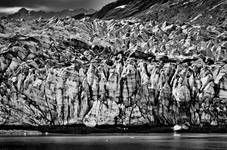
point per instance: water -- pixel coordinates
(117, 142)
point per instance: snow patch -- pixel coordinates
(121, 7)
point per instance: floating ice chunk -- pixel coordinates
(177, 127)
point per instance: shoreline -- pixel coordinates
(80, 129)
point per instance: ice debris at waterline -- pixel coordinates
(116, 72)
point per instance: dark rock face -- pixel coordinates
(123, 8)
(180, 11)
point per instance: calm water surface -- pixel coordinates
(117, 142)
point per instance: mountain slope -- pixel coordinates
(210, 11)
(115, 11)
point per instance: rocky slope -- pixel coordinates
(117, 72)
(180, 11)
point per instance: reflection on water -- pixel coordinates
(117, 142)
